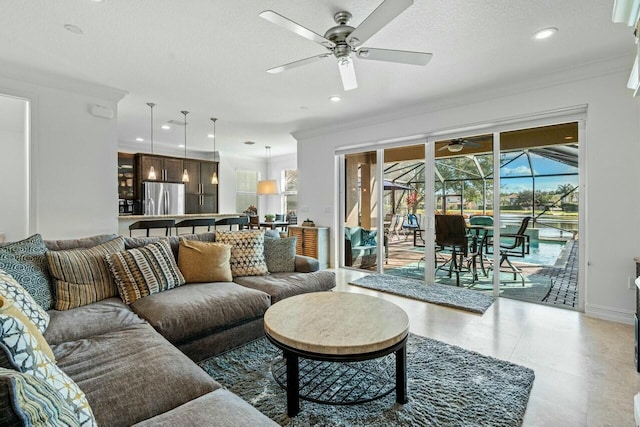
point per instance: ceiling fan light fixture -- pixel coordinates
(455, 147)
(545, 33)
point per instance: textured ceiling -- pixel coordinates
(210, 57)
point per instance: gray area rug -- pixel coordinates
(447, 386)
(450, 296)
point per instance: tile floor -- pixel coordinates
(584, 368)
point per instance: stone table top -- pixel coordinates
(336, 323)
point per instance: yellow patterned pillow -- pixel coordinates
(201, 262)
(82, 276)
(23, 353)
(247, 252)
(11, 290)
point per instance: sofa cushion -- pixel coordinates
(220, 408)
(12, 293)
(144, 271)
(26, 357)
(82, 275)
(33, 402)
(198, 309)
(26, 262)
(306, 264)
(283, 285)
(204, 261)
(280, 254)
(132, 374)
(85, 242)
(247, 252)
(90, 320)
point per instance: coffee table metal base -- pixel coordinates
(321, 371)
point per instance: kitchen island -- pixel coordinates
(124, 221)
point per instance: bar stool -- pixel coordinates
(167, 224)
(196, 222)
(239, 221)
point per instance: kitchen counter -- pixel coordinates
(124, 221)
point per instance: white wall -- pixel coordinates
(612, 158)
(73, 154)
(13, 168)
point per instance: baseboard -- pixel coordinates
(609, 313)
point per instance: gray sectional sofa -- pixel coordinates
(137, 363)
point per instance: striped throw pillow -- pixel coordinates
(81, 276)
(247, 252)
(34, 401)
(144, 271)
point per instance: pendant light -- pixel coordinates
(214, 177)
(152, 171)
(185, 173)
(267, 187)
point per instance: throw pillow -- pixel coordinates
(22, 351)
(280, 254)
(10, 308)
(271, 234)
(12, 292)
(144, 271)
(247, 252)
(82, 276)
(369, 237)
(26, 262)
(34, 402)
(204, 261)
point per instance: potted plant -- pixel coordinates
(269, 217)
(252, 210)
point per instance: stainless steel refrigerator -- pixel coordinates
(162, 198)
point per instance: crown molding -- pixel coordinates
(24, 74)
(571, 74)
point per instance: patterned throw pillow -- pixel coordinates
(280, 254)
(202, 262)
(144, 271)
(247, 252)
(26, 262)
(10, 290)
(82, 276)
(22, 350)
(35, 402)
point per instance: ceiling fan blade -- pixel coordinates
(444, 147)
(298, 63)
(471, 144)
(347, 73)
(294, 27)
(389, 55)
(380, 17)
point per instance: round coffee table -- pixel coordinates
(337, 327)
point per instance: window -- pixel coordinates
(290, 191)
(246, 187)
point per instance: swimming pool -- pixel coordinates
(542, 252)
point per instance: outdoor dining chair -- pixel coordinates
(517, 245)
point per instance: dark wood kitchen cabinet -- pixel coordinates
(168, 169)
(201, 196)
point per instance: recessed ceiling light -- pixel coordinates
(165, 127)
(73, 29)
(181, 145)
(545, 33)
(209, 135)
(249, 143)
(334, 98)
(97, 1)
(140, 139)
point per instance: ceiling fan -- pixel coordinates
(344, 40)
(456, 145)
